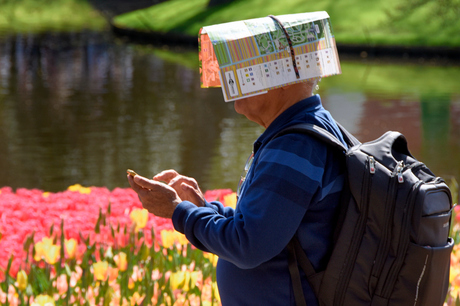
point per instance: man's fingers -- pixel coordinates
(133, 184)
(158, 198)
(192, 194)
(166, 176)
(179, 180)
(188, 190)
(145, 182)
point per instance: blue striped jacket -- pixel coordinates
(292, 188)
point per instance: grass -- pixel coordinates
(407, 78)
(42, 15)
(390, 22)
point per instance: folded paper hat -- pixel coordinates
(250, 57)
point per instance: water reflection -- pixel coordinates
(81, 108)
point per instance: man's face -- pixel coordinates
(252, 107)
(247, 105)
(263, 109)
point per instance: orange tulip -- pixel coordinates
(113, 274)
(120, 260)
(130, 283)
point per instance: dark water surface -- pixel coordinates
(82, 108)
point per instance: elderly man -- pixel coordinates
(292, 188)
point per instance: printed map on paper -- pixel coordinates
(252, 56)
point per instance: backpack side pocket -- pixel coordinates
(424, 276)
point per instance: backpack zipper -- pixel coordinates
(352, 253)
(384, 245)
(399, 171)
(403, 243)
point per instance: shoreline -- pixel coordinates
(420, 54)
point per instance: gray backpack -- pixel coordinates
(392, 244)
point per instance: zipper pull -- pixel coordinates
(399, 170)
(371, 164)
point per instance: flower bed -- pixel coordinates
(92, 246)
(98, 246)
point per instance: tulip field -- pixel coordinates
(93, 246)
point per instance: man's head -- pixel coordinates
(263, 109)
(249, 57)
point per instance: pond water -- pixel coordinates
(84, 107)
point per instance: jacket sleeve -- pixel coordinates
(221, 209)
(280, 187)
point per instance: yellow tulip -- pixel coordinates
(139, 217)
(177, 280)
(43, 244)
(43, 300)
(230, 200)
(71, 247)
(47, 250)
(168, 238)
(136, 299)
(120, 260)
(184, 279)
(100, 270)
(79, 188)
(52, 254)
(212, 258)
(130, 283)
(181, 238)
(194, 275)
(215, 289)
(22, 280)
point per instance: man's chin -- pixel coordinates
(238, 106)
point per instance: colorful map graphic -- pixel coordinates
(252, 56)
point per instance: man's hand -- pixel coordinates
(186, 187)
(158, 198)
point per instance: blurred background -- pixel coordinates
(91, 88)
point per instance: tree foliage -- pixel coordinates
(218, 2)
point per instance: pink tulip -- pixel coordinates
(61, 284)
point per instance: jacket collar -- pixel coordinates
(290, 116)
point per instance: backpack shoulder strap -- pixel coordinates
(297, 255)
(322, 134)
(347, 136)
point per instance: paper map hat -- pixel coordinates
(250, 57)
